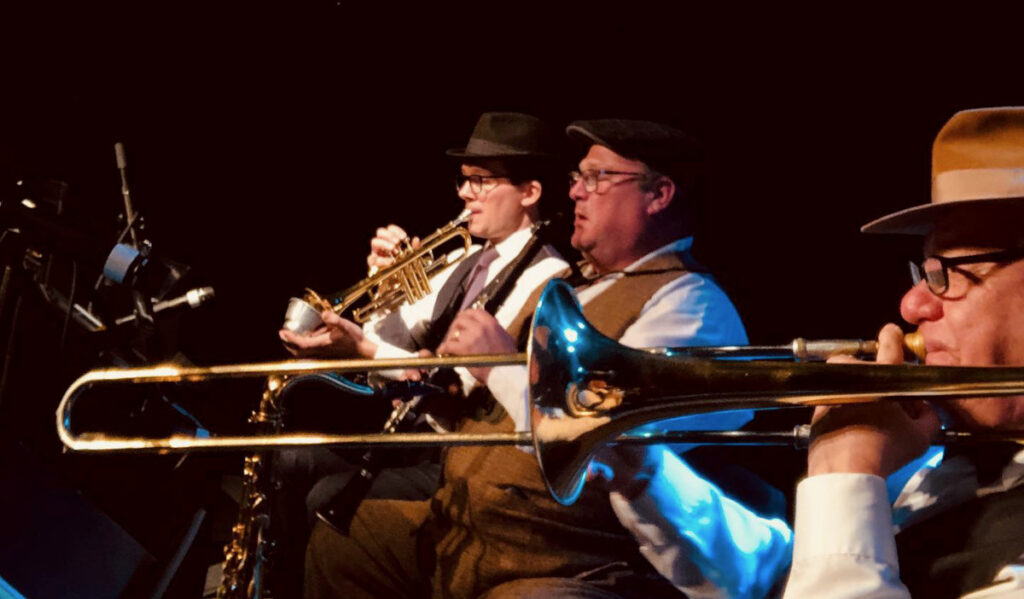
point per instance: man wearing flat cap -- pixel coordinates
(957, 528)
(492, 529)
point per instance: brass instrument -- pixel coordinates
(586, 390)
(246, 555)
(407, 280)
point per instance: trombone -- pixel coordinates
(586, 390)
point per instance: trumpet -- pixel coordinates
(407, 280)
(586, 390)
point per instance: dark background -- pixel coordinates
(266, 142)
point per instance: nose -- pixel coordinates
(919, 304)
(465, 193)
(577, 191)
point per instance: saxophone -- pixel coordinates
(246, 555)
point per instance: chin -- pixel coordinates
(988, 413)
(580, 243)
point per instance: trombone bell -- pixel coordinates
(587, 389)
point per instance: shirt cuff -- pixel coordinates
(387, 351)
(508, 386)
(844, 514)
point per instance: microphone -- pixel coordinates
(129, 214)
(193, 298)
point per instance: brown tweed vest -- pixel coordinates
(493, 516)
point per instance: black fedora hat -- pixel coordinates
(508, 135)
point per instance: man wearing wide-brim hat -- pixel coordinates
(959, 524)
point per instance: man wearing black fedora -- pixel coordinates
(504, 169)
(493, 529)
(956, 529)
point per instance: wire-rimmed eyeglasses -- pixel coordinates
(593, 177)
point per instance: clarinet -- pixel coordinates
(339, 510)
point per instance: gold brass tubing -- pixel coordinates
(421, 280)
(168, 373)
(182, 443)
(171, 373)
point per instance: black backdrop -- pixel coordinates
(266, 142)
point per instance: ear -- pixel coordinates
(662, 192)
(531, 193)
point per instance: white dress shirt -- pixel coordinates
(706, 544)
(845, 543)
(690, 310)
(394, 333)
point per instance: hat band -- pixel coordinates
(978, 184)
(486, 147)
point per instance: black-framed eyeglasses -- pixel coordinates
(593, 177)
(477, 183)
(944, 277)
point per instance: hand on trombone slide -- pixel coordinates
(338, 338)
(876, 437)
(476, 332)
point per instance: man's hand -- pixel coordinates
(871, 438)
(338, 338)
(412, 374)
(626, 469)
(384, 246)
(476, 332)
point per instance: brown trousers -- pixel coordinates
(493, 528)
(388, 554)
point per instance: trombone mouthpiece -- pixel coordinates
(808, 349)
(915, 343)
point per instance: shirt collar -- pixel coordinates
(679, 246)
(513, 244)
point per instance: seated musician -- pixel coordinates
(492, 530)
(505, 168)
(956, 530)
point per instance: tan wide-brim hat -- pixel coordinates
(977, 172)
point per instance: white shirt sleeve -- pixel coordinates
(691, 310)
(508, 386)
(843, 543)
(708, 545)
(705, 543)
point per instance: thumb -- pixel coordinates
(925, 420)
